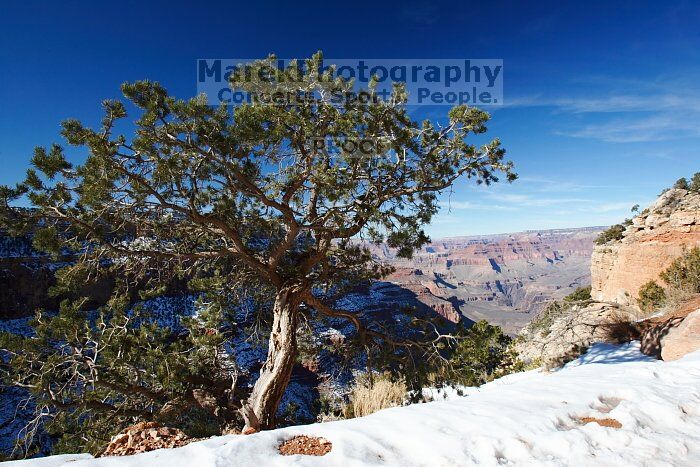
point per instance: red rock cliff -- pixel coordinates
(656, 237)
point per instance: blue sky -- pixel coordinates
(602, 100)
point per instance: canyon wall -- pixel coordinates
(654, 239)
(504, 279)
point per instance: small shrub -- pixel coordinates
(675, 298)
(621, 328)
(330, 404)
(578, 295)
(481, 354)
(682, 184)
(684, 272)
(541, 325)
(614, 233)
(651, 296)
(682, 279)
(510, 363)
(368, 398)
(695, 183)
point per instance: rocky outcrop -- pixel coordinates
(562, 332)
(683, 339)
(649, 245)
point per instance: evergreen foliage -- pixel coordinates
(613, 234)
(684, 272)
(695, 183)
(580, 294)
(92, 373)
(481, 354)
(651, 296)
(681, 184)
(228, 199)
(682, 279)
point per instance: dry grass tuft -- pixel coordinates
(621, 328)
(681, 311)
(383, 394)
(676, 298)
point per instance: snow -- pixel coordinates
(53, 461)
(529, 418)
(19, 326)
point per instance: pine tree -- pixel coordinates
(682, 184)
(273, 189)
(695, 183)
(90, 374)
(480, 351)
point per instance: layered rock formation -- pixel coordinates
(504, 279)
(649, 245)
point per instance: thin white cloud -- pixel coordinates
(639, 130)
(631, 103)
(542, 184)
(525, 200)
(469, 205)
(613, 103)
(660, 109)
(612, 207)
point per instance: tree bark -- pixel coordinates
(261, 407)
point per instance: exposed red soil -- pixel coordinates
(607, 422)
(306, 445)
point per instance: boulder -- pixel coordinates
(682, 339)
(655, 329)
(654, 333)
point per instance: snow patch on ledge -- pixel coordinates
(530, 418)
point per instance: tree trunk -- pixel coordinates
(261, 407)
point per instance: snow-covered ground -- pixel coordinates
(530, 418)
